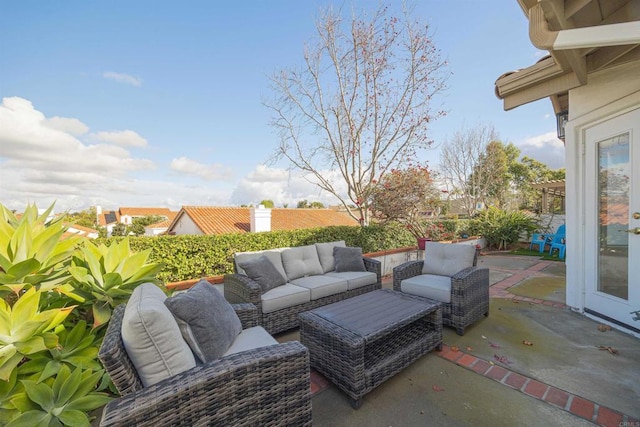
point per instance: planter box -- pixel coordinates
(421, 242)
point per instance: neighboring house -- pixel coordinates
(222, 220)
(109, 219)
(158, 228)
(592, 78)
(79, 230)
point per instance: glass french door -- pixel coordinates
(612, 219)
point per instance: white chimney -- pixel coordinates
(98, 213)
(260, 219)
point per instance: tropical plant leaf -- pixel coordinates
(31, 418)
(39, 393)
(23, 268)
(67, 389)
(8, 364)
(101, 314)
(88, 383)
(112, 280)
(70, 417)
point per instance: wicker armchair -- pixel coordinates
(265, 386)
(469, 290)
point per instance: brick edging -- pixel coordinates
(572, 403)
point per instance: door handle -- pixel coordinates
(633, 230)
(636, 215)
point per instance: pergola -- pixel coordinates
(550, 191)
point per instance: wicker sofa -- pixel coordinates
(250, 385)
(309, 276)
(448, 274)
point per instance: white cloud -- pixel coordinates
(212, 172)
(73, 126)
(125, 138)
(42, 163)
(545, 148)
(122, 78)
(281, 187)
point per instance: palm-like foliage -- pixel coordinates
(25, 330)
(105, 276)
(32, 251)
(64, 400)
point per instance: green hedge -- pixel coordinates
(191, 257)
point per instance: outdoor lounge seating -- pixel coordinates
(547, 239)
(285, 282)
(448, 274)
(255, 381)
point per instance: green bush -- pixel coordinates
(502, 228)
(191, 257)
(34, 262)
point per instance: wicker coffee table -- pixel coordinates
(362, 341)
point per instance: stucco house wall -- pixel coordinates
(607, 94)
(185, 225)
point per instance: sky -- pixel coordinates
(160, 104)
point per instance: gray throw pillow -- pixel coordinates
(263, 272)
(348, 259)
(207, 321)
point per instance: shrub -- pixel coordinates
(502, 228)
(49, 372)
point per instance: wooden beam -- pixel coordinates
(571, 7)
(554, 86)
(602, 58)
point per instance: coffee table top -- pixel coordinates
(374, 312)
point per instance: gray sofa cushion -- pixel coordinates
(321, 285)
(444, 259)
(274, 255)
(348, 259)
(325, 253)
(207, 321)
(263, 272)
(301, 261)
(355, 279)
(152, 338)
(284, 296)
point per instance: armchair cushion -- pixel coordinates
(301, 261)
(428, 285)
(207, 321)
(445, 259)
(251, 338)
(348, 259)
(263, 271)
(152, 338)
(325, 253)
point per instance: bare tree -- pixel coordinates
(361, 105)
(469, 170)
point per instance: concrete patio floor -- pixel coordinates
(532, 362)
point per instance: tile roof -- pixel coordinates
(108, 217)
(221, 220)
(111, 217)
(82, 229)
(147, 212)
(162, 224)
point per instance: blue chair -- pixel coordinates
(546, 239)
(558, 242)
